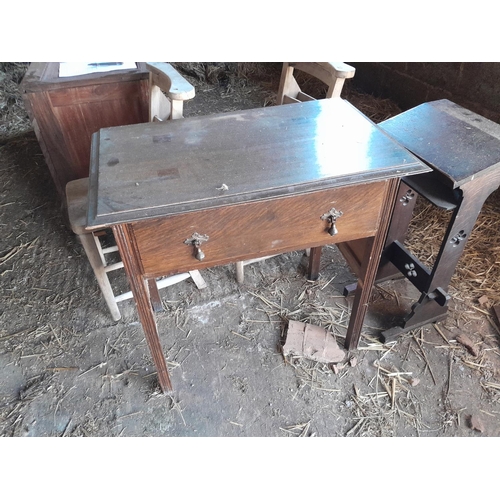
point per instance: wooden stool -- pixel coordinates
(77, 199)
(463, 149)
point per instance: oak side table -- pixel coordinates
(212, 190)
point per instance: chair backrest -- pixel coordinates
(333, 74)
(168, 91)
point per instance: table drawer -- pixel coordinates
(249, 230)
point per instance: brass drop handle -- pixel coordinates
(197, 240)
(331, 216)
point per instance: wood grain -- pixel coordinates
(250, 230)
(67, 111)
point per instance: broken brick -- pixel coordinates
(312, 342)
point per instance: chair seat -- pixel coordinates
(77, 199)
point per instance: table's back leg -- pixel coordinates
(404, 205)
(140, 291)
(314, 263)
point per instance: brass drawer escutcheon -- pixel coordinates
(197, 240)
(331, 216)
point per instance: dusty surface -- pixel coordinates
(67, 369)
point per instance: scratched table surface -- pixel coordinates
(157, 169)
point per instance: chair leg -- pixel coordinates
(240, 273)
(154, 296)
(198, 279)
(95, 260)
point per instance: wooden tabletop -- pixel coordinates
(156, 169)
(457, 142)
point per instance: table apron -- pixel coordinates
(253, 229)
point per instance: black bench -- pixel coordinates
(463, 149)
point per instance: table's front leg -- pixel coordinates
(369, 267)
(131, 261)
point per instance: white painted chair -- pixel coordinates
(333, 74)
(168, 91)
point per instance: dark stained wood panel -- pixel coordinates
(85, 110)
(65, 112)
(459, 143)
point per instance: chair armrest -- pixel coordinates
(327, 72)
(170, 81)
(340, 69)
(333, 74)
